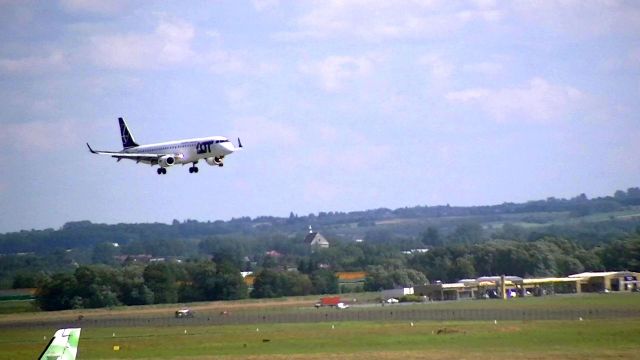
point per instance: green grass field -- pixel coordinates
(17, 306)
(548, 339)
(529, 340)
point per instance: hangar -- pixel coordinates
(512, 286)
(607, 281)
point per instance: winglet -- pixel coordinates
(90, 149)
(239, 143)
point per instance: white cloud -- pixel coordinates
(379, 20)
(238, 96)
(349, 159)
(615, 62)
(538, 101)
(220, 60)
(347, 150)
(260, 131)
(227, 61)
(484, 4)
(468, 95)
(169, 44)
(634, 57)
(577, 17)
(94, 6)
(484, 68)
(41, 135)
(374, 20)
(34, 64)
(322, 191)
(261, 5)
(334, 71)
(439, 68)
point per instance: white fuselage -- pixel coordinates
(212, 149)
(188, 150)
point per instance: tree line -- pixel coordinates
(95, 286)
(84, 234)
(201, 260)
(91, 286)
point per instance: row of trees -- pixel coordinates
(161, 238)
(170, 282)
(271, 283)
(98, 286)
(102, 286)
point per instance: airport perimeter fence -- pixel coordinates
(334, 315)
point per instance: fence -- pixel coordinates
(388, 313)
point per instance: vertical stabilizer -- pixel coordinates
(63, 345)
(125, 134)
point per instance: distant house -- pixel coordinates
(273, 253)
(415, 251)
(351, 281)
(249, 280)
(396, 293)
(140, 258)
(316, 240)
(351, 277)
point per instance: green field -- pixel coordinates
(548, 339)
(17, 306)
(352, 340)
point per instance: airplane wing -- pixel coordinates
(121, 155)
(63, 345)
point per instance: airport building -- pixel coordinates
(607, 281)
(514, 286)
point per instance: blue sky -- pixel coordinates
(341, 105)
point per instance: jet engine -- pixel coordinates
(166, 161)
(214, 161)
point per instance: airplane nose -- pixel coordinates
(228, 148)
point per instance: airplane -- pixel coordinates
(63, 345)
(212, 149)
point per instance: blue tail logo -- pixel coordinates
(125, 134)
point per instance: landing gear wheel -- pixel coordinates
(195, 169)
(190, 170)
(221, 164)
(160, 171)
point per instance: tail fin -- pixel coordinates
(63, 345)
(125, 134)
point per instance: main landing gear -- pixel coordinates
(194, 168)
(162, 171)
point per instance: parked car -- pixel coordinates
(342, 305)
(184, 313)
